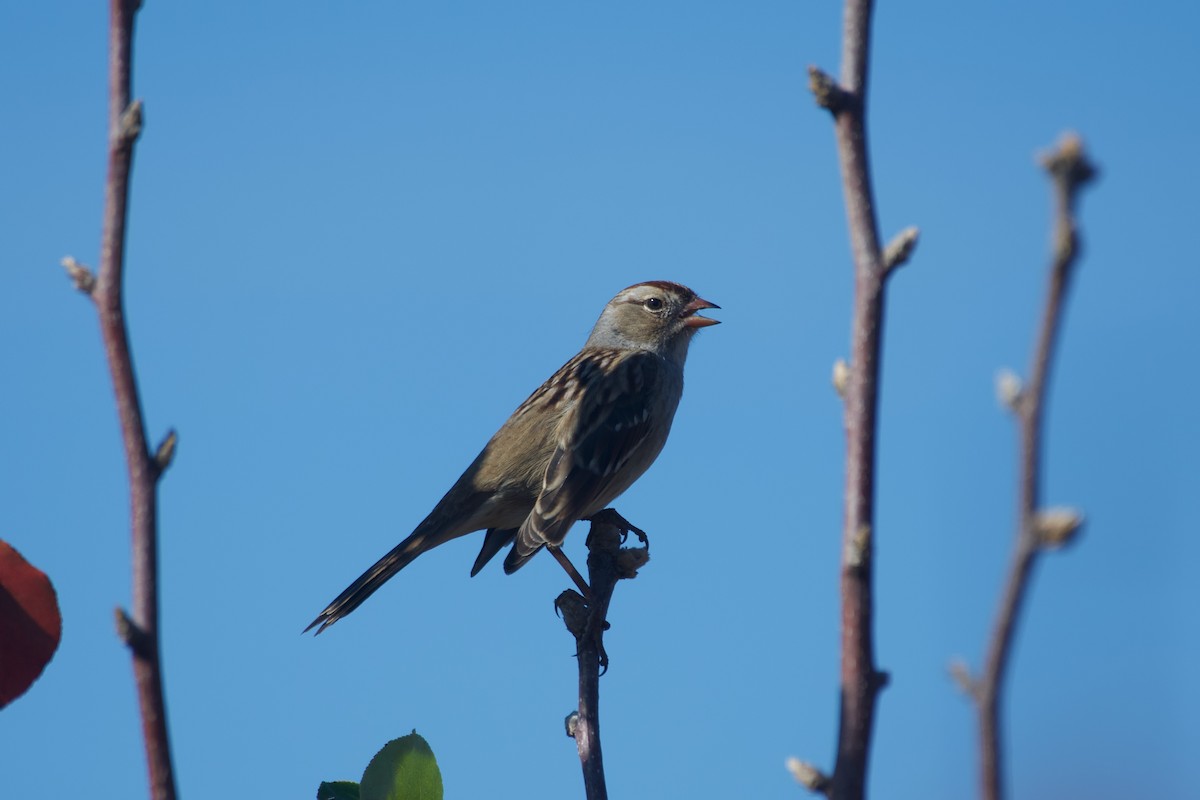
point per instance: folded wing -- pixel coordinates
(607, 427)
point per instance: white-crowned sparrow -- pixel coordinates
(569, 450)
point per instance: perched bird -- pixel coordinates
(569, 450)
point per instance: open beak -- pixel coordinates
(690, 318)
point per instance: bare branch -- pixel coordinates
(138, 629)
(859, 387)
(607, 563)
(1037, 529)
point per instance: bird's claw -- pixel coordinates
(610, 516)
(573, 608)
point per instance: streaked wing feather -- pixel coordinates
(609, 424)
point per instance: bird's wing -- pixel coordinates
(608, 425)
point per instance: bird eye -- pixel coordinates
(654, 304)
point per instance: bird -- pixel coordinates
(578, 442)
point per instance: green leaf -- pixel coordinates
(338, 790)
(404, 769)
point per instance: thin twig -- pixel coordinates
(607, 563)
(138, 630)
(1037, 529)
(859, 387)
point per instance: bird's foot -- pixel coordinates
(610, 516)
(575, 612)
(572, 607)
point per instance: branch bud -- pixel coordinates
(130, 123)
(83, 278)
(630, 560)
(166, 451)
(1067, 163)
(841, 377)
(826, 91)
(132, 634)
(900, 248)
(1057, 527)
(858, 548)
(1009, 389)
(808, 776)
(961, 674)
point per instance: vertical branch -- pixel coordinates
(859, 387)
(1037, 528)
(139, 630)
(607, 563)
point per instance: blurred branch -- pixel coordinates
(1037, 529)
(139, 629)
(846, 99)
(607, 563)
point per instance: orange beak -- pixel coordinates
(691, 320)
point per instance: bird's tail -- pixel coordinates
(400, 557)
(495, 541)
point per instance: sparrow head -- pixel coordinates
(657, 315)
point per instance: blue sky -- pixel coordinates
(363, 232)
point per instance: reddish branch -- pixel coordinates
(861, 681)
(1037, 528)
(139, 630)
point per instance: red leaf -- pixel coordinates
(30, 625)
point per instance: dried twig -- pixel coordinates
(139, 630)
(607, 563)
(1038, 529)
(861, 681)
